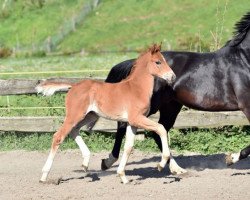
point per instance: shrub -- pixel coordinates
(5, 52)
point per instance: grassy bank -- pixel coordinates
(54, 66)
(24, 23)
(185, 24)
(117, 25)
(206, 141)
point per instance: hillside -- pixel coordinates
(181, 24)
(23, 23)
(117, 25)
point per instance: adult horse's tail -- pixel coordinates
(48, 88)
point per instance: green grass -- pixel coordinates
(205, 141)
(23, 23)
(131, 24)
(61, 63)
(122, 25)
(22, 101)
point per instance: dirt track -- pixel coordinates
(208, 178)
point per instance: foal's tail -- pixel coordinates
(48, 88)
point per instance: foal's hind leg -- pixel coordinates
(83, 147)
(58, 138)
(89, 119)
(71, 122)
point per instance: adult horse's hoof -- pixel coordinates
(232, 158)
(108, 162)
(228, 159)
(103, 165)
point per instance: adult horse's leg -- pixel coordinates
(114, 155)
(128, 146)
(244, 104)
(235, 157)
(244, 153)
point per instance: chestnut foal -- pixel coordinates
(127, 101)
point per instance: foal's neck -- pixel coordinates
(141, 79)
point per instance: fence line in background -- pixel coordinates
(31, 108)
(55, 72)
(186, 119)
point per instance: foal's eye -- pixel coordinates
(158, 62)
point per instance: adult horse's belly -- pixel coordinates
(205, 102)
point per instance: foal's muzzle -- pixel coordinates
(169, 77)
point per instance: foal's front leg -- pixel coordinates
(145, 123)
(128, 146)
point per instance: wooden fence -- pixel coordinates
(186, 119)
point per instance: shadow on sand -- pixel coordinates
(194, 162)
(199, 162)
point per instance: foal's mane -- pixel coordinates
(241, 29)
(153, 49)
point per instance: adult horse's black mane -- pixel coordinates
(214, 81)
(241, 28)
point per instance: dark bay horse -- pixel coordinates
(216, 81)
(127, 101)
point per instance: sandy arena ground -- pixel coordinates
(208, 178)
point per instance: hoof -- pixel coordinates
(108, 162)
(179, 172)
(103, 165)
(123, 178)
(159, 167)
(125, 182)
(85, 168)
(41, 181)
(229, 159)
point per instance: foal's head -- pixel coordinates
(156, 64)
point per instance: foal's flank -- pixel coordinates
(127, 101)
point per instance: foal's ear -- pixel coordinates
(155, 48)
